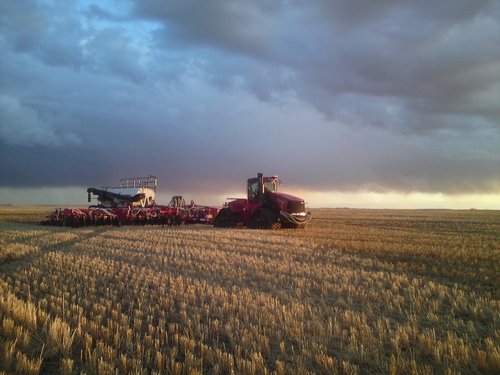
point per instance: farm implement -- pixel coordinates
(132, 203)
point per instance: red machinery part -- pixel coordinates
(162, 215)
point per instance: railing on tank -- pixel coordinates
(150, 182)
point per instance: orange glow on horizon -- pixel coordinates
(353, 199)
(399, 200)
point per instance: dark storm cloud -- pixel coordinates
(30, 27)
(434, 58)
(388, 95)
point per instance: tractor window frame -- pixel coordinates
(253, 190)
(270, 186)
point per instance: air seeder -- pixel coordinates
(132, 203)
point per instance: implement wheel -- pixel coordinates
(67, 221)
(169, 220)
(179, 219)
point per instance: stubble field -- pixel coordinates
(357, 292)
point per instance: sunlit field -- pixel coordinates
(357, 292)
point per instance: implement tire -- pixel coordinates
(67, 221)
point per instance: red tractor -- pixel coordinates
(264, 208)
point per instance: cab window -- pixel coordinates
(253, 190)
(269, 186)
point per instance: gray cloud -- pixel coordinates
(21, 125)
(395, 95)
(412, 52)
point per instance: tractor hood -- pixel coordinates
(287, 203)
(286, 197)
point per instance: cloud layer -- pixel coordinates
(332, 95)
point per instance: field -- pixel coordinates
(357, 292)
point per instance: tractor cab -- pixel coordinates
(258, 188)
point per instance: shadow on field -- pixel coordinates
(46, 241)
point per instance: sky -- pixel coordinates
(352, 103)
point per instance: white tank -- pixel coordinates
(138, 191)
(148, 200)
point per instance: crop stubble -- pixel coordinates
(358, 291)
